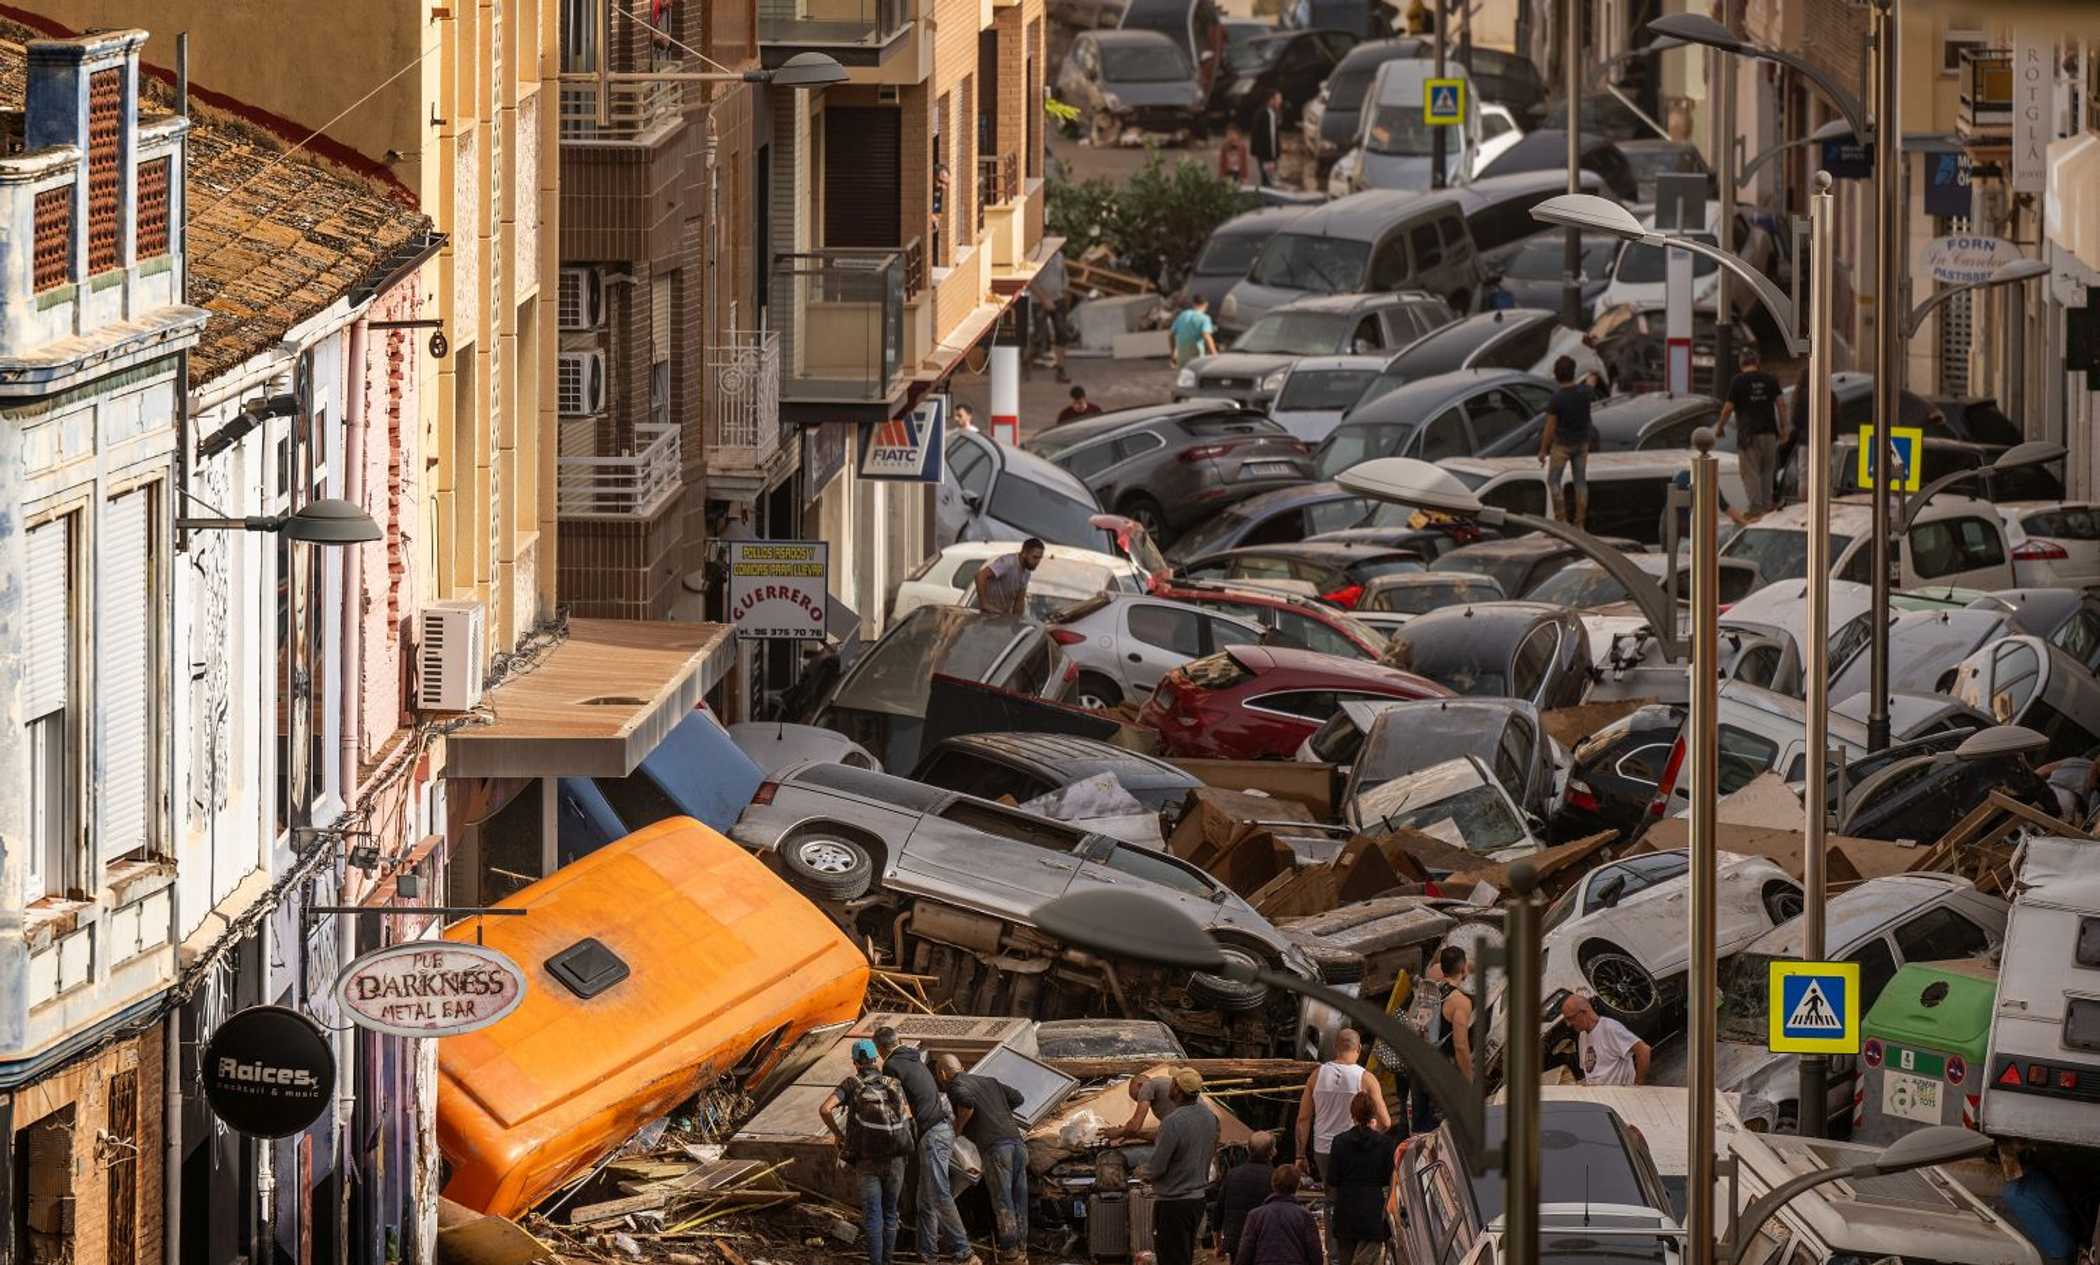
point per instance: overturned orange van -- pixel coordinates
(652, 966)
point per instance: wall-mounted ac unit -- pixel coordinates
(449, 651)
(582, 299)
(888, 94)
(579, 382)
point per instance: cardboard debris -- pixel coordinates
(1081, 1121)
(1217, 832)
(1570, 725)
(1781, 845)
(1981, 845)
(466, 1237)
(1312, 786)
(1555, 867)
(1369, 865)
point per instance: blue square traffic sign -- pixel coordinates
(1813, 1007)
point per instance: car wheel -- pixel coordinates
(1622, 985)
(828, 866)
(1148, 515)
(1096, 691)
(1215, 992)
(1783, 902)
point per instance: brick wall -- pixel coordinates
(99, 1162)
(1013, 90)
(965, 217)
(388, 378)
(915, 158)
(620, 568)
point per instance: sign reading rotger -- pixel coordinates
(268, 1071)
(430, 988)
(777, 589)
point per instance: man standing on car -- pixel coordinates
(1609, 1052)
(984, 1112)
(1002, 583)
(1753, 399)
(1267, 142)
(939, 1219)
(876, 1140)
(1179, 1170)
(1566, 440)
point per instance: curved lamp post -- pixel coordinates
(1921, 1148)
(328, 521)
(1697, 28)
(2011, 272)
(2034, 452)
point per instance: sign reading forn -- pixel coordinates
(777, 589)
(1966, 258)
(268, 1072)
(430, 988)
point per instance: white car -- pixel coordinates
(2055, 544)
(1952, 541)
(1066, 577)
(1639, 277)
(1124, 643)
(1498, 131)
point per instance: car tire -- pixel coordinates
(1095, 691)
(1215, 992)
(1783, 902)
(1150, 516)
(828, 866)
(1622, 986)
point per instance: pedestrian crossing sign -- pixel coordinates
(1909, 443)
(1813, 1008)
(1443, 102)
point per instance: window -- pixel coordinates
(579, 35)
(1644, 764)
(2079, 637)
(1087, 462)
(1954, 544)
(1522, 495)
(1513, 756)
(1368, 336)
(45, 1207)
(1876, 969)
(1428, 251)
(53, 249)
(1452, 232)
(1155, 867)
(1389, 269)
(1303, 630)
(1335, 515)
(1445, 436)
(1313, 705)
(153, 207)
(48, 705)
(105, 174)
(1940, 935)
(1494, 415)
(1534, 659)
(1742, 756)
(1177, 630)
(127, 624)
(1144, 441)
(1030, 673)
(986, 779)
(1224, 632)
(970, 464)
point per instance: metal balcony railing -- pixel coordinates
(634, 483)
(914, 267)
(847, 312)
(831, 23)
(743, 407)
(1986, 109)
(634, 111)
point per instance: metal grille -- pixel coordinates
(1955, 335)
(153, 207)
(105, 119)
(54, 237)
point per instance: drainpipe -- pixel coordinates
(171, 1141)
(352, 730)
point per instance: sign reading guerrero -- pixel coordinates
(777, 589)
(430, 988)
(268, 1072)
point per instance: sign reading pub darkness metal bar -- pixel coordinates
(268, 1071)
(430, 988)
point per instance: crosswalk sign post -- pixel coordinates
(1443, 102)
(1813, 1008)
(1909, 443)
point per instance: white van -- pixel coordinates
(1628, 490)
(2043, 1082)
(1953, 541)
(1395, 147)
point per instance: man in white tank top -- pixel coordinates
(1323, 1110)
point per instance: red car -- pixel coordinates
(1261, 702)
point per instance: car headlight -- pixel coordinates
(1185, 379)
(1273, 382)
(1113, 102)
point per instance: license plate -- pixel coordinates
(1266, 470)
(1910, 1097)
(1702, 362)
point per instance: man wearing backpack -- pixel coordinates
(940, 1222)
(876, 1139)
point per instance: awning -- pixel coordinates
(596, 703)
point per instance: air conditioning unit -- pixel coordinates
(579, 383)
(450, 638)
(888, 94)
(582, 299)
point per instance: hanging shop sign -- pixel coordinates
(1966, 258)
(777, 589)
(268, 1071)
(430, 988)
(906, 449)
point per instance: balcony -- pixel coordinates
(632, 484)
(845, 339)
(1985, 116)
(635, 113)
(854, 32)
(743, 403)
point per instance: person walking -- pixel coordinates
(1323, 1109)
(1753, 400)
(1280, 1232)
(1609, 1052)
(1154, 1096)
(1359, 1169)
(1078, 408)
(940, 1222)
(1194, 332)
(1242, 1190)
(1002, 583)
(1267, 142)
(876, 1140)
(1565, 442)
(984, 1113)
(1179, 1170)
(1235, 163)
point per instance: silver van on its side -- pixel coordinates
(1380, 240)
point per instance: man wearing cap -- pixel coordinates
(1179, 1170)
(940, 1222)
(881, 1179)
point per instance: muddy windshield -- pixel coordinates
(1745, 978)
(1452, 802)
(1322, 265)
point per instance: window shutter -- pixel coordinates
(50, 609)
(123, 687)
(863, 190)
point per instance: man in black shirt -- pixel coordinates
(984, 1112)
(1566, 440)
(1267, 141)
(1244, 1189)
(940, 1222)
(1753, 400)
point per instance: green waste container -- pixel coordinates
(1923, 1050)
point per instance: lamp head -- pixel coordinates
(1590, 213)
(1130, 925)
(807, 70)
(1406, 481)
(1923, 1148)
(2033, 452)
(2016, 270)
(1696, 28)
(331, 521)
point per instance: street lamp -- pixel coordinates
(2011, 272)
(1697, 28)
(328, 521)
(1921, 1148)
(2034, 452)
(1835, 129)
(1423, 485)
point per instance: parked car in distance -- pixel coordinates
(1292, 620)
(1652, 156)
(1232, 249)
(1066, 576)
(1638, 278)
(1457, 414)
(2038, 1082)
(774, 744)
(1395, 145)
(1272, 518)
(880, 701)
(1924, 648)
(1546, 149)
(1338, 740)
(1412, 593)
(1629, 491)
(1294, 62)
(1167, 466)
(1029, 765)
(1261, 702)
(1530, 651)
(1656, 419)
(2053, 542)
(1329, 121)
(1123, 644)
(2068, 619)
(1364, 19)
(1196, 27)
(1404, 527)
(1528, 271)
(1630, 342)
(1337, 572)
(1130, 78)
(1254, 368)
(1318, 391)
(1503, 733)
(1517, 565)
(1952, 540)
(1505, 338)
(994, 491)
(1616, 771)
(1380, 240)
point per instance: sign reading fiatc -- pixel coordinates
(777, 589)
(429, 988)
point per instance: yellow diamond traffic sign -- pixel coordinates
(1813, 1008)
(1443, 102)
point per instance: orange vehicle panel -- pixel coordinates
(721, 955)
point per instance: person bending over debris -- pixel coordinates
(1282, 1231)
(1002, 583)
(1179, 1170)
(876, 1139)
(984, 1112)
(1242, 1191)
(1358, 1170)
(939, 1219)
(1610, 1053)
(1323, 1110)
(1153, 1095)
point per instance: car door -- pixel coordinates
(967, 471)
(984, 856)
(1156, 638)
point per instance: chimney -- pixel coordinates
(85, 93)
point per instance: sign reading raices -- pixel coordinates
(430, 988)
(268, 1071)
(777, 588)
